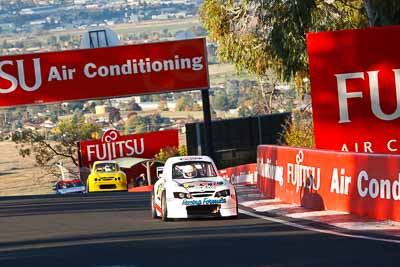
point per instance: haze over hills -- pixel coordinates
(57, 15)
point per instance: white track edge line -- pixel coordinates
(309, 228)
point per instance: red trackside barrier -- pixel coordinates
(360, 183)
(241, 175)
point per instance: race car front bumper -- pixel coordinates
(198, 207)
(107, 186)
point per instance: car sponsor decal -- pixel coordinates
(200, 184)
(205, 201)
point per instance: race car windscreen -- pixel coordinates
(193, 170)
(65, 185)
(106, 167)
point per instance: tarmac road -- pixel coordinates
(116, 229)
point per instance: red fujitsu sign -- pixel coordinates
(103, 72)
(113, 145)
(355, 88)
(360, 183)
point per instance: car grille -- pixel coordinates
(203, 210)
(202, 194)
(107, 186)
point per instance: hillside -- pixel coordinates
(19, 176)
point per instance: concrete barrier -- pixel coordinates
(360, 183)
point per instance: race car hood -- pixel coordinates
(211, 183)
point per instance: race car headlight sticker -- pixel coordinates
(223, 193)
(182, 195)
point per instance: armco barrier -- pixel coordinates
(241, 175)
(360, 183)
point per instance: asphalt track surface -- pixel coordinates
(116, 229)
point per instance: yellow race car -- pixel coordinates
(106, 176)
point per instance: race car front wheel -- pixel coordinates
(164, 209)
(237, 209)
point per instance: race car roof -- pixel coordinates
(174, 160)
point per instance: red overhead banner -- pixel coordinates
(103, 72)
(355, 88)
(113, 145)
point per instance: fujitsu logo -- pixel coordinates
(376, 108)
(111, 148)
(301, 175)
(20, 79)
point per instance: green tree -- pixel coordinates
(139, 124)
(168, 152)
(165, 32)
(52, 40)
(299, 130)
(65, 38)
(184, 103)
(132, 105)
(271, 34)
(136, 124)
(257, 36)
(196, 106)
(246, 111)
(382, 12)
(47, 153)
(220, 101)
(114, 115)
(162, 105)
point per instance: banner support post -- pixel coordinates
(205, 95)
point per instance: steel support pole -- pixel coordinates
(205, 95)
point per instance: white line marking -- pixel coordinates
(316, 213)
(253, 202)
(309, 228)
(275, 207)
(366, 226)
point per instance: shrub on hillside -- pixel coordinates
(168, 152)
(299, 130)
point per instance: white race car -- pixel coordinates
(189, 186)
